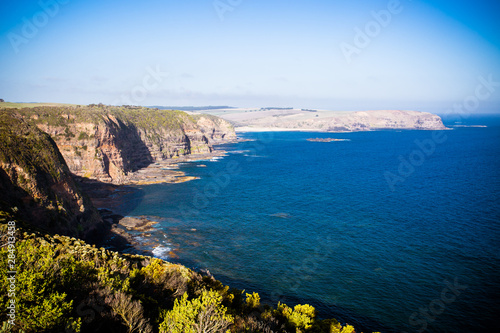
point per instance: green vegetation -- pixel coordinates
(156, 124)
(32, 150)
(83, 136)
(252, 300)
(29, 105)
(301, 316)
(63, 115)
(64, 284)
(203, 314)
(40, 304)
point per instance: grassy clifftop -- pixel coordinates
(141, 117)
(30, 105)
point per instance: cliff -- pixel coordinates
(35, 179)
(216, 129)
(332, 121)
(109, 143)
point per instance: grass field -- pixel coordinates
(29, 105)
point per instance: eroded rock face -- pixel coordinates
(397, 119)
(215, 129)
(109, 143)
(35, 179)
(106, 151)
(376, 120)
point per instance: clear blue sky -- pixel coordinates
(249, 53)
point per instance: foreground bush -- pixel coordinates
(203, 314)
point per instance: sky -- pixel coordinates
(335, 55)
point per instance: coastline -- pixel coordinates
(167, 171)
(132, 234)
(256, 129)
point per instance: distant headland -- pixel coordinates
(308, 120)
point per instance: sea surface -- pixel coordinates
(393, 231)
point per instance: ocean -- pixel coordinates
(393, 231)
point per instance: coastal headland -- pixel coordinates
(291, 119)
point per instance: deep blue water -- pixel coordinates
(319, 223)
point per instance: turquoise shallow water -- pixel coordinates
(381, 231)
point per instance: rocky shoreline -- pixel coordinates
(124, 232)
(167, 171)
(129, 234)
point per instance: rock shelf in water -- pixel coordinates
(325, 139)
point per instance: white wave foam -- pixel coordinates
(238, 151)
(161, 252)
(254, 156)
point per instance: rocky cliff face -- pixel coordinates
(35, 179)
(109, 143)
(216, 129)
(372, 120)
(396, 119)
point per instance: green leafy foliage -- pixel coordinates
(332, 326)
(40, 305)
(252, 300)
(24, 145)
(203, 314)
(83, 136)
(301, 316)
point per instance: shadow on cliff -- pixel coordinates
(136, 154)
(124, 141)
(113, 203)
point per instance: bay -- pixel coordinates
(390, 230)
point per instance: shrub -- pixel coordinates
(40, 306)
(83, 136)
(203, 314)
(68, 134)
(252, 300)
(154, 272)
(129, 311)
(338, 328)
(301, 316)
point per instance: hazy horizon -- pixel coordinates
(433, 56)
